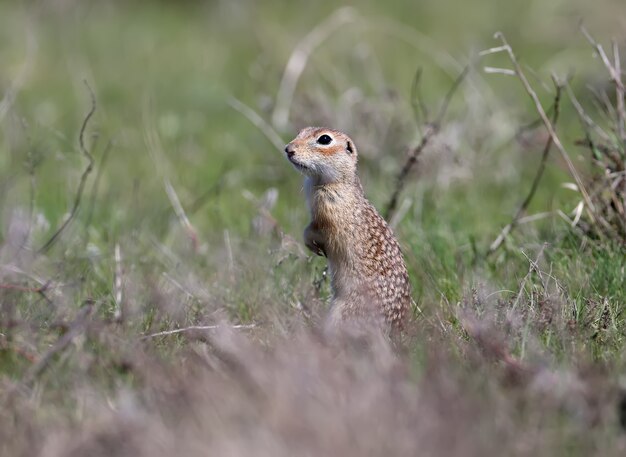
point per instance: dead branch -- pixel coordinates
(555, 139)
(432, 129)
(533, 188)
(83, 178)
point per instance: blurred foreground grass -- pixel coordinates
(166, 77)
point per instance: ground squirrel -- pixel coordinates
(368, 274)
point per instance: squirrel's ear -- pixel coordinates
(349, 148)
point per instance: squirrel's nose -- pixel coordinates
(289, 150)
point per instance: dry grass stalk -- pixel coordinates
(197, 328)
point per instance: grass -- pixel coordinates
(520, 351)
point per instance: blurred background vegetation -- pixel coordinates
(165, 75)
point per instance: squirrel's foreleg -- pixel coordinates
(313, 240)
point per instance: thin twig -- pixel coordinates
(500, 71)
(197, 327)
(535, 184)
(432, 130)
(555, 139)
(83, 178)
(494, 50)
(17, 287)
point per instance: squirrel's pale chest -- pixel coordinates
(332, 210)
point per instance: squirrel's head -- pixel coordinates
(323, 154)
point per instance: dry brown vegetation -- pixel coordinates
(303, 395)
(457, 385)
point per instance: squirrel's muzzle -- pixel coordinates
(290, 150)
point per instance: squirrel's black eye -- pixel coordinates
(324, 139)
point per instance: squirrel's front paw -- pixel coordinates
(313, 242)
(315, 247)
